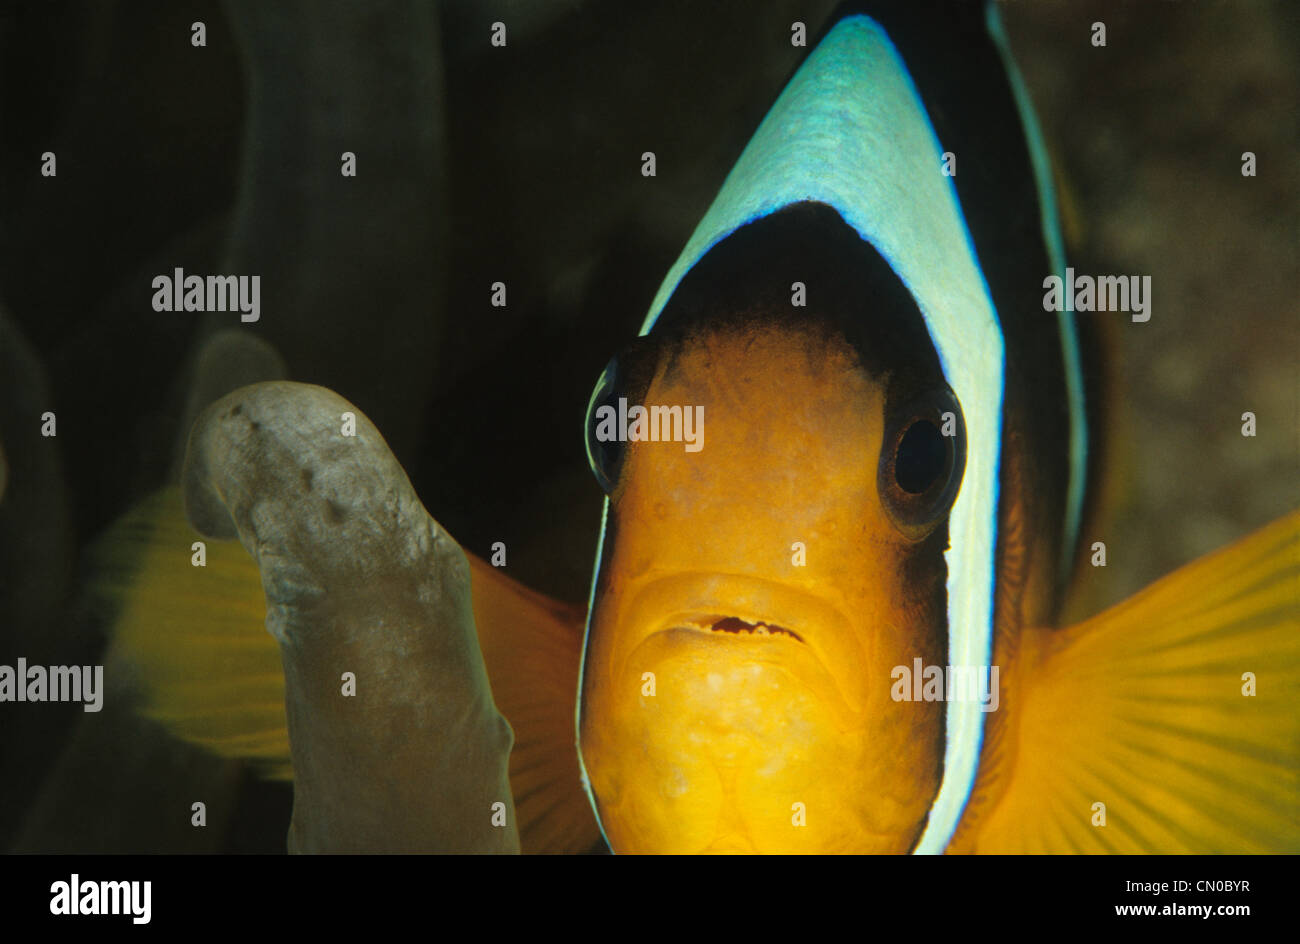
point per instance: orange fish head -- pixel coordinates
(755, 596)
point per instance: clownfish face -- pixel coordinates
(754, 596)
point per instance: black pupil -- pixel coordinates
(921, 457)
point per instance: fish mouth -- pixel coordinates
(775, 621)
(734, 625)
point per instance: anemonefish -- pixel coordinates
(889, 494)
(893, 479)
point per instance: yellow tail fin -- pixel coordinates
(1179, 710)
(209, 670)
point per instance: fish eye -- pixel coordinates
(922, 459)
(605, 456)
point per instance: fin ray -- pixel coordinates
(1143, 708)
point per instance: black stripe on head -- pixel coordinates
(850, 292)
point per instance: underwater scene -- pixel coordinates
(586, 427)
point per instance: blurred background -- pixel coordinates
(521, 164)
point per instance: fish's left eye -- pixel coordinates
(604, 453)
(922, 458)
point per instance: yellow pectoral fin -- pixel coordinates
(1176, 711)
(210, 672)
(195, 635)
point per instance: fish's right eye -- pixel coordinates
(922, 459)
(604, 448)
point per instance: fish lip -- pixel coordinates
(752, 599)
